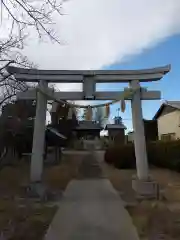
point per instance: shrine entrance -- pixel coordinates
(135, 93)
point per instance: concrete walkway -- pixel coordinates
(91, 209)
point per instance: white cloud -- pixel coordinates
(97, 33)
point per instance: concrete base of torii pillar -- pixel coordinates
(143, 184)
(145, 189)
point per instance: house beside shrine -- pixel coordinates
(168, 120)
(116, 131)
(150, 130)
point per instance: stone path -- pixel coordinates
(91, 209)
(90, 168)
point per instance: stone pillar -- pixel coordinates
(143, 185)
(39, 135)
(139, 135)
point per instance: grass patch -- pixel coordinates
(58, 177)
(20, 218)
(153, 219)
(25, 221)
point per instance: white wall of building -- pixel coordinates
(130, 136)
(169, 124)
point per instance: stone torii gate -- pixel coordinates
(89, 80)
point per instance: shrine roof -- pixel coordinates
(88, 125)
(56, 132)
(35, 75)
(115, 126)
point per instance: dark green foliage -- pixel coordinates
(109, 155)
(128, 153)
(164, 154)
(160, 154)
(122, 156)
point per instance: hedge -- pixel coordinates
(160, 154)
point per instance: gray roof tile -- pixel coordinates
(88, 125)
(175, 104)
(115, 126)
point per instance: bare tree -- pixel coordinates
(9, 53)
(36, 14)
(17, 17)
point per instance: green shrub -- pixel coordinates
(127, 157)
(160, 154)
(109, 155)
(122, 156)
(164, 154)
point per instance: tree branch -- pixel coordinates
(37, 14)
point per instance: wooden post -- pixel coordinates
(39, 134)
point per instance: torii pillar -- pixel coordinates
(143, 184)
(139, 134)
(39, 135)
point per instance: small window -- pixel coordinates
(168, 137)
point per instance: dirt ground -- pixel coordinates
(22, 218)
(154, 220)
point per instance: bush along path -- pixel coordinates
(160, 154)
